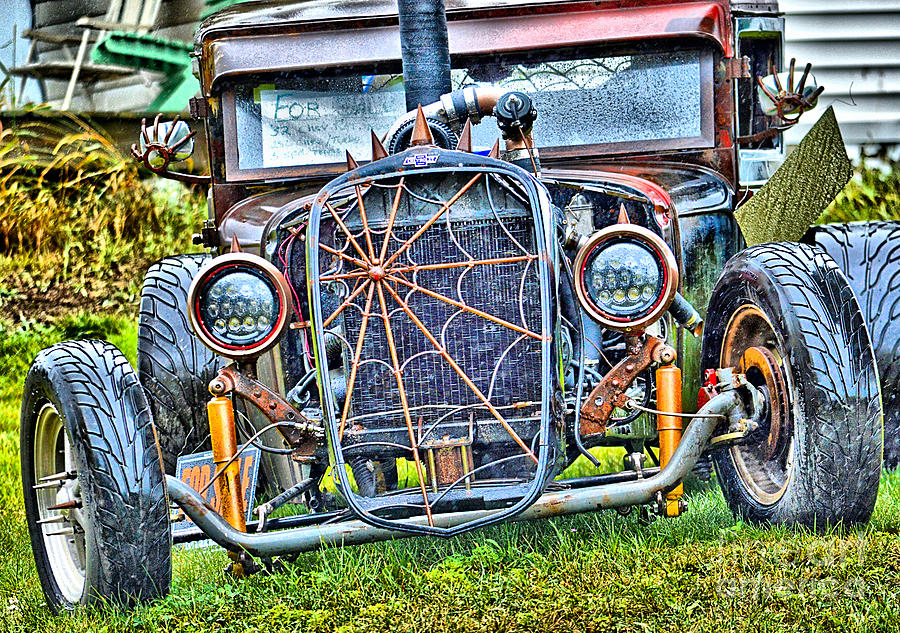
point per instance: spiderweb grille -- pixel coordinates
(474, 342)
(431, 282)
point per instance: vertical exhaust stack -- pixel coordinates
(425, 51)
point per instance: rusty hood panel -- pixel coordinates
(247, 220)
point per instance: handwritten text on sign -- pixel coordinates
(307, 128)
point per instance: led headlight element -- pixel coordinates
(625, 277)
(239, 305)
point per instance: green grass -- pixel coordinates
(78, 225)
(872, 194)
(597, 572)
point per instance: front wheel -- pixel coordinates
(94, 488)
(785, 316)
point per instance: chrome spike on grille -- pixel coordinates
(465, 138)
(378, 151)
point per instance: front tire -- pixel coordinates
(94, 487)
(785, 314)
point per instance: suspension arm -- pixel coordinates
(610, 392)
(589, 499)
(301, 434)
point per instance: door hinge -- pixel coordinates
(199, 107)
(737, 68)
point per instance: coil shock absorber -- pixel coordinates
(669, 427)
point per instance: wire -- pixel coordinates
(283, 249)
(266, 449)
(631, 404)
(243, 448)
(530, 151)
(634, 415)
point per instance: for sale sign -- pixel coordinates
(198, 469)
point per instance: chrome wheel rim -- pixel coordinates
(58, 494)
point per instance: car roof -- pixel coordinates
(260, 14)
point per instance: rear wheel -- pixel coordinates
(868, 253)
(94, 488)
(175, 368)
(784, 315)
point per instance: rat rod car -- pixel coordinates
(441, 331)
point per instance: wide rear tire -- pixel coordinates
(820, 465)
(174, 367)
(94, 487)
(868, 253)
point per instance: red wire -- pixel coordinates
(294, 295)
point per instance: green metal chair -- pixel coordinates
(121, 44)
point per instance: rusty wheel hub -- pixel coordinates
(762, 369)
(750, 346)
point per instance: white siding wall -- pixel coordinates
(854, 46)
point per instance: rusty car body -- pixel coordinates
(441, 317)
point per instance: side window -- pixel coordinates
(763, 47)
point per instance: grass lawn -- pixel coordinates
(91, 233)
(594, 572)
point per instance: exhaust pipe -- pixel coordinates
(425, 51)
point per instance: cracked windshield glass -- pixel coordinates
(295, 120)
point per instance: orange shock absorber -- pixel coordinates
(224, 447)
(669, 427)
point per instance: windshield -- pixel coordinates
(295, 120)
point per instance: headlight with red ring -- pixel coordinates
(239, 305)
(625, 277)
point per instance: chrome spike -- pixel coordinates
(465, 138)
(495, 150)
(69, 532)
(351, 162)
(58, 477)
(421, 134)
(235, 245)
(57, 519)
(623, 216)
(48, 485)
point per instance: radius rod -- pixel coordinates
(616, 495)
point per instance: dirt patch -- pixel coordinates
(20, 301)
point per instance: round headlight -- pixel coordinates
(239, 305)
(625, 277)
